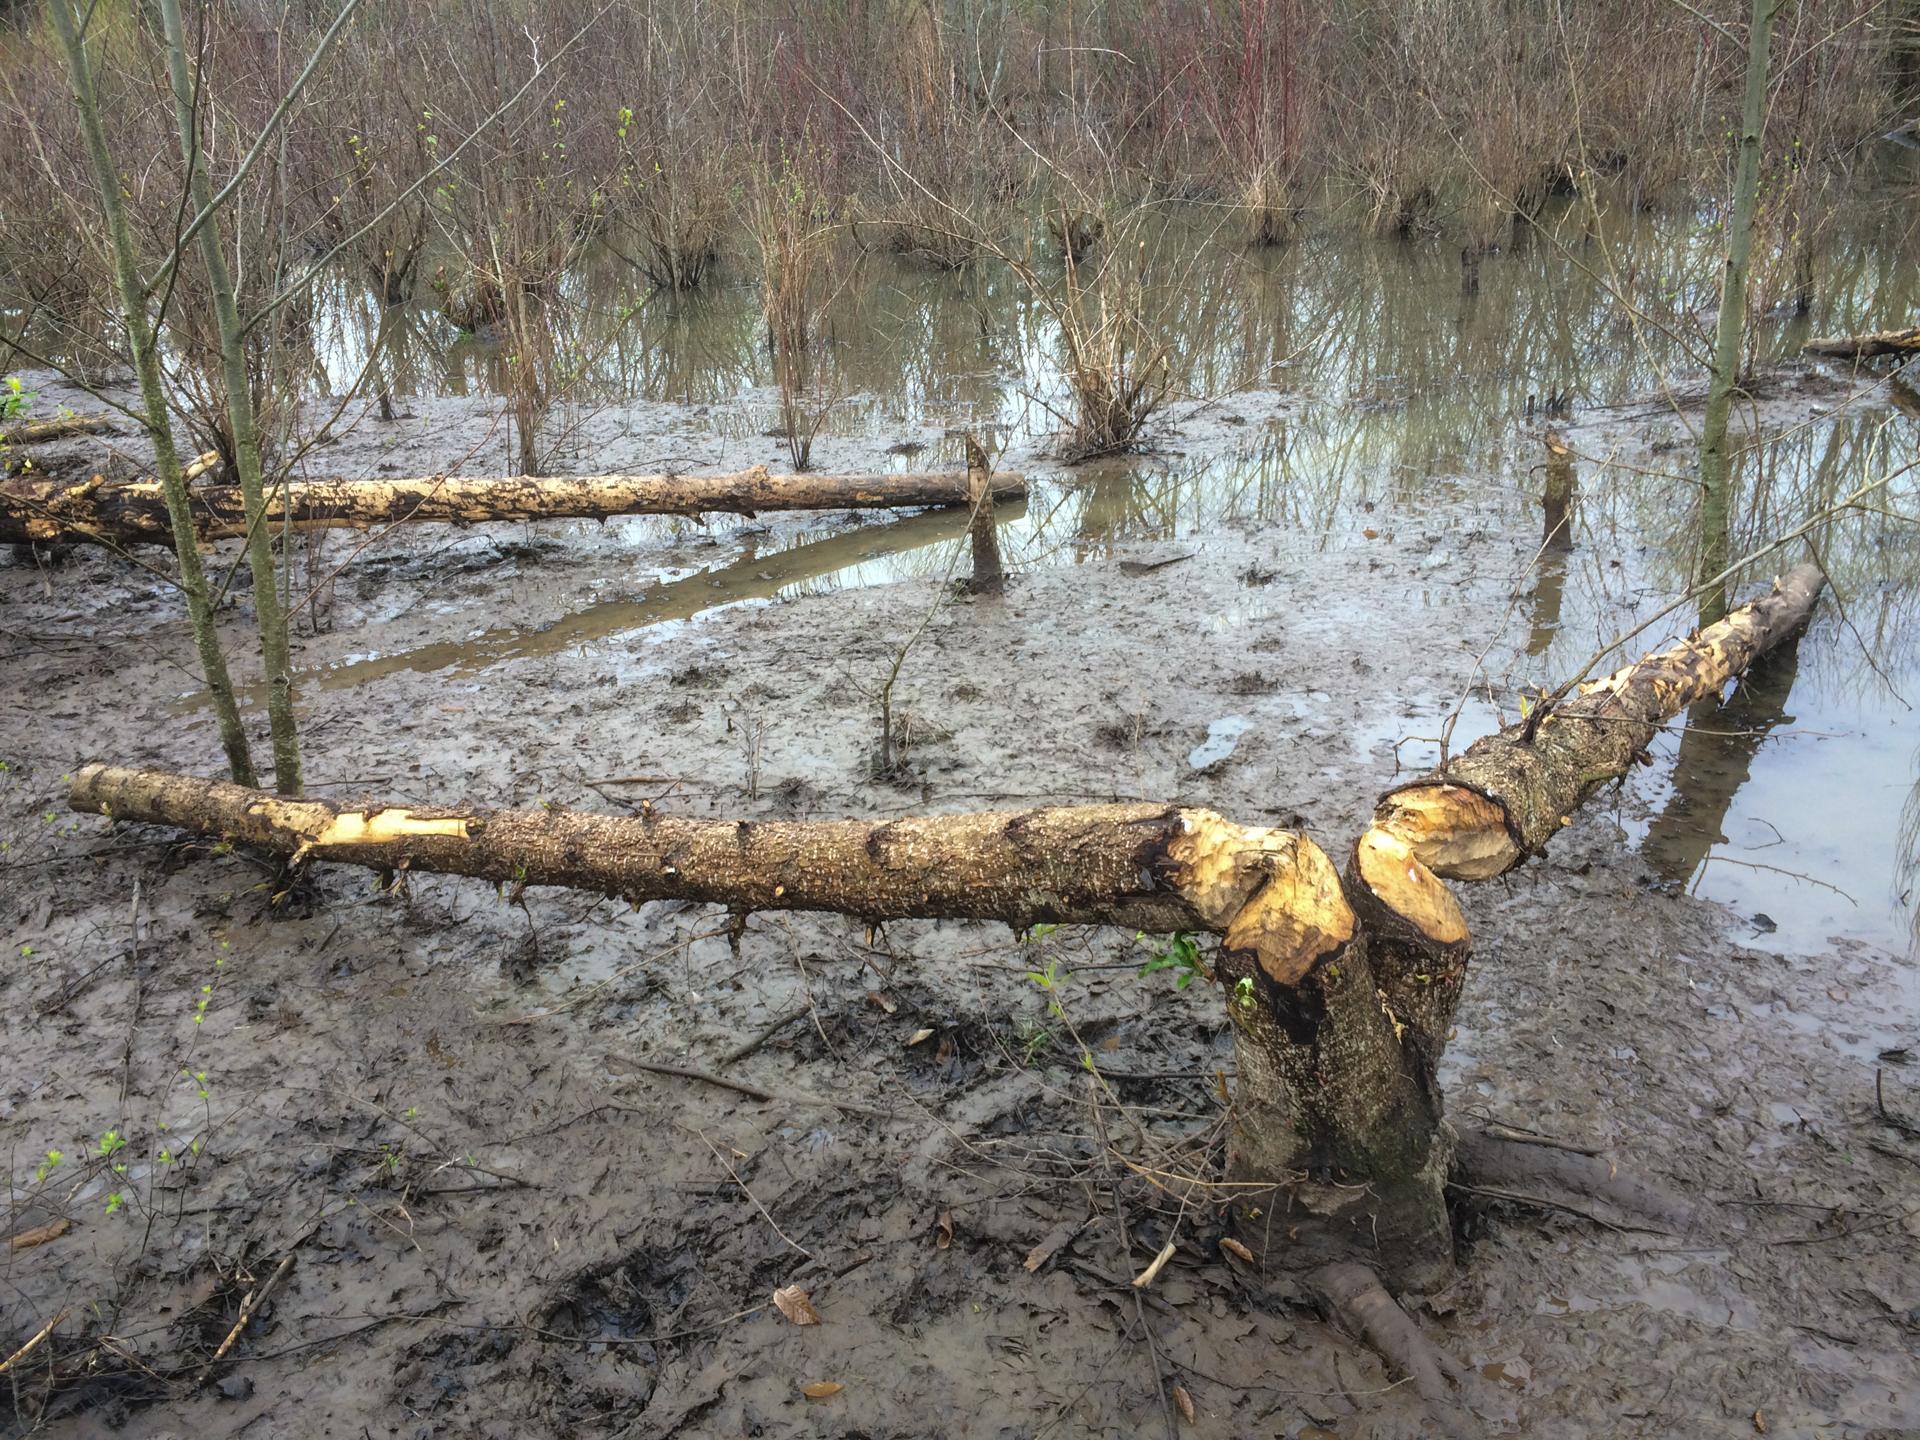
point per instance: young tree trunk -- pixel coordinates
(1341, 989)
(269, 611)
(143, 341)
(1716, 476)
(136, 512)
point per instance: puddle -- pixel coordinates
(1223, 736)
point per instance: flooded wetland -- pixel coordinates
(341, 1116)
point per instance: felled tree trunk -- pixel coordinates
(1341, 988)
(134, 512)
(1866, 347)
(59, 427)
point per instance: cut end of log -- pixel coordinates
(1395, 876)
(1298, 917)
(1454, 832)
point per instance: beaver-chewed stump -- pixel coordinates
(1341, 984)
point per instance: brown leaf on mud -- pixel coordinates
(920, 1037)
(822, 1389)
(946, 1051)
(1759, 1422)
(39, 1234)
(1235, 1248)
(944, 1225)
(796, 1305)
(1183, 1402)
(883, 1000)
(1371, 534)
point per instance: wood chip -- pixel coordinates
(796, 1305)
(919, 1037)
(39, 1234)
(822, 1389)
(1146, 1276)
(1183, 1402)
(1235, 1248)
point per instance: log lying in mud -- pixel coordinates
(1511, 793)
(1153, 867)
(59, 427)
(134, 512)
(1866, 347)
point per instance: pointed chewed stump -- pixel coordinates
(1341, 985)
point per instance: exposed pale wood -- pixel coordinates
(1511, 793)
(134, 512)
(58, 427)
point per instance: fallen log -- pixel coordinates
(1501, 801)
(1866, 347)
(1340, 987)
(59, 427)
(134, 512)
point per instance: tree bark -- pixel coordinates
(134, 512)
(1867, 347)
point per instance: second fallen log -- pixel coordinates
(134, 512)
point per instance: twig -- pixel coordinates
(1880, 1101)
(747, 1047)
(17, 1356)
(1126, 1249)
(791, 1242)
(752, 1092)
(253, 1301)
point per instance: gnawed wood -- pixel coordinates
(134, 512)
(1511, 793)
(1866, 347)
(1153, 867)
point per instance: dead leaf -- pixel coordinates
(919, 1037)
(1235, 1248)
(796, 1305)
(822, 1389)
(1371, 534)
(882, 999)
(40, 1234)
(946, 1050)
(1183, 1402)
(1759, 1422)
(945, 1236)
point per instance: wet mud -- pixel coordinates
(401, 1147)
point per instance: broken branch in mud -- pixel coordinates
(1511, 793)
(1866, 347)
(1340, 987)
(60, 427)
(134, 512)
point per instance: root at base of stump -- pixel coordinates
(1553, 1177)
(1354, 1299)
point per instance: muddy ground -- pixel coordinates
(413, 1128)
